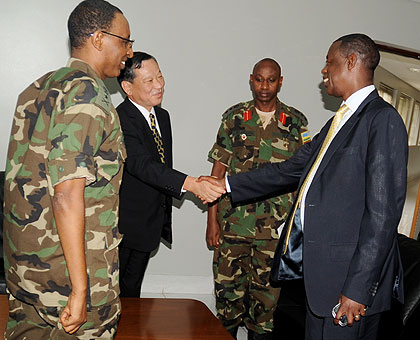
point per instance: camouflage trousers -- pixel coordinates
(29, 322)
(241, 268)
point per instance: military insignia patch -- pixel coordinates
(283, 118)
(243, 136)
(305, 137)
(247, 116)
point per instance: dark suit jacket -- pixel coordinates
(148, 185)
(352, 208)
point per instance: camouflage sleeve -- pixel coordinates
(75, 137)
(222, 149)
(304, 135)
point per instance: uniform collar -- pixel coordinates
(84, 67)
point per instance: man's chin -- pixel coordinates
(112, 75)
(265, 99)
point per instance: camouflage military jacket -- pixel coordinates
(243, 144)
(64, 127)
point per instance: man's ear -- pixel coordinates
(351, 61)
(280, 83)
(127, 87)
(96, 40)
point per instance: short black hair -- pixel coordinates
(133, 63)
(363, 46)
(275, 63)
(89, 16)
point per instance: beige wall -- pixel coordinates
(206, 50)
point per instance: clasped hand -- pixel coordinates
(206, 188)
(213, 182)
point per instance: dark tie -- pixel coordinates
(157, 138)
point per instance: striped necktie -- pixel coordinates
(333, 127)
(157, 138)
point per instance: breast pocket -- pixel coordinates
(284, 143)
(243, 145)
(348, 151)
(347, 161)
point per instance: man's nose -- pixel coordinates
(130, 51)
(158, 83)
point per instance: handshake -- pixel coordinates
(206, 188)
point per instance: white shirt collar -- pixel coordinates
(354, 101)
(143, 110)
(146, 115)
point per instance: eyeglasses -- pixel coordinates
(128, 43)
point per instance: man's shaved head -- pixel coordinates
(266, 61)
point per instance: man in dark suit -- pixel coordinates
(351, 182)
(149, 182)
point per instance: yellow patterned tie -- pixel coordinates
(157, 138)
(333, 127)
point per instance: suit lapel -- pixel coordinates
(343, 134)
(143, 128)
(320, 140)
(162, 126)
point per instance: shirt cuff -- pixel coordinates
(227, 185)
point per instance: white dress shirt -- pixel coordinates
(146, 114)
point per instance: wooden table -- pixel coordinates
(4, 314)
(158, 319)
(165, 319)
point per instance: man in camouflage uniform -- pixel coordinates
(263, 130)
(63, 173)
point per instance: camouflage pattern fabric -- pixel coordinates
(27, 319)
(241, 268)
(64, 127)
(242, 144)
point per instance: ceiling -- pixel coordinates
(400, 67)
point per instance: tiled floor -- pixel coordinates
(208, 300)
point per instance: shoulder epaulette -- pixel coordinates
(233, 108)
(93, 89)
(298, 114)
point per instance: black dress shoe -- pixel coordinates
(255, 336)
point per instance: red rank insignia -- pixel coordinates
(283, 118)
(247, 115)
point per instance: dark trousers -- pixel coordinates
(133, 265)
(318, 328)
